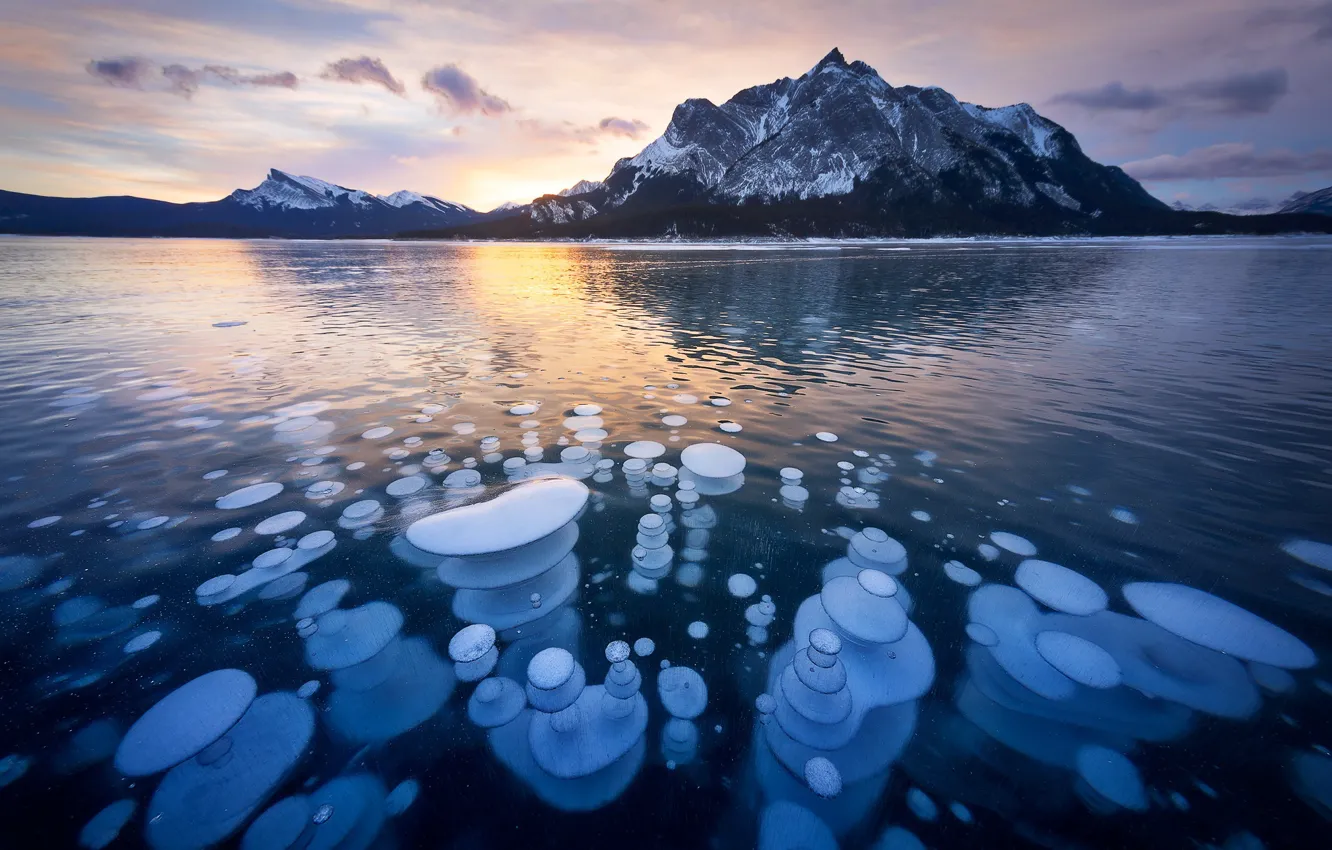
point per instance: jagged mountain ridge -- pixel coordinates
(283, 205)
(839, 151)
(1316, 203)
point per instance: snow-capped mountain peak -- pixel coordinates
(582, 187)
(405, 197)
(293, 192)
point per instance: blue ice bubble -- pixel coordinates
(471, 642)
(643, 647)
(921, 805)
(76, 610)
(864, 608)
(872, 548)
(1079, 659)
(495, 702)
(1013, 543)
(823, 777)
(93, 743)
(350, 636)
(205, 799)
(285, 825)
(1311, 552)
(139, 643)
(519, 516)
(962, 574)
(698, 630)
(987, 551)
(308, 689)
(106, 825)
(401, 797)
(249, 496)
(682, 691)
(897, 838)
(503, 569)
(18, 571)
(712, 460)
(1124, 515)
(587, 736)
(1060, 588)
(1014, 619)
(322, 598)
(1112, 776)
(785, 826)
(185, 721)
(279, 523)
(1213, 622)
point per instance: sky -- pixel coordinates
(486, 101)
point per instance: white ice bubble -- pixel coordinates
(249, 496)
(586, 409)
(315, 540)
(522, 515)
(44, 522)
(712, 460)
(1060, 588)
(644, 450)
(920, 516)
(1111, 775)
(471, 642)
(225, 534)
(550, 668)
(1079, 659)
(279, 523)
(321, 598)
(272, 558)
(698, 630)
(1124, 515)
(215, 585)
(864, 607)
(347, 637)
(643, 647)
(406, 486)
(685, 398)
(524, 409)
(674, 420)
(216, 473)
(1013, 543)
(1213, 622)
(377, 433)
(153, 523)
(826, 436)
(741, 585)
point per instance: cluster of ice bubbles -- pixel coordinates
(841, 699)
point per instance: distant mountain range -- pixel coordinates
(836, 152)
(283, 205)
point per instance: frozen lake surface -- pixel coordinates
(411, 545)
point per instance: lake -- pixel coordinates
(891, 545)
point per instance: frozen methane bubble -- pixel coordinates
(1079, 659)
(401, 797)
(643, 647)
(204, 800)
(1060, 588)
(962, 574)
(525, 409)
(272, 558)
(1013, 543)
(823, 777)
(351, 636)
(248, 496)
(741, 586)
(674, 420)
(554, 680)
(139, 643)
(645, 449)
(586, 409)
(18, 571)
(522, 515)
(872, 548)
(617, 651)
(225, 534)
(1111, 775)
(106, 825)
(321, 598)
(495, 702)
(1212, 622)
(864, 608)
(1311, 552)
(785, 826)
(698, 630)
(185, 721)
(712, 460)
(682, 691)
(826, 436)
(981, 634)
(286, 825)
(280, 523)
(315, 540)
(377, 433)
(471, 642)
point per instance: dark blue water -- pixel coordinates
(1150, 414)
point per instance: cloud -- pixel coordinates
(365, 69)
(630, 128)
(458, 91)
(278, 79)
(125, 71)
(1316, 19)
(184, 81)
(1232, 159)
(1236, 94)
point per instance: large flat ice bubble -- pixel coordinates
(350, 636)
(185, 721)
(1212, 622)
(471, 642)
(285, 825)
(495, 702)
(786, 826)
(864, 608)
(202, 801)
(1013, 543)
(712, 460)
(1311, 552)
(1079, 659)
(682, 692)
(106, 825)
(247, 496)
(1111, 775)
(18, 571)
(962, 574)
(645, 449)
(322, 598)
(1060, 588)
(550, 668)
(522, 515)
(279, 523)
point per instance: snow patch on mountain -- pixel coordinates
(294, 192)
(582, 187)
(404, 198)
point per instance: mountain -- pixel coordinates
(1252, 206)
(1317, 203)
(283, 205)
(840, 152)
